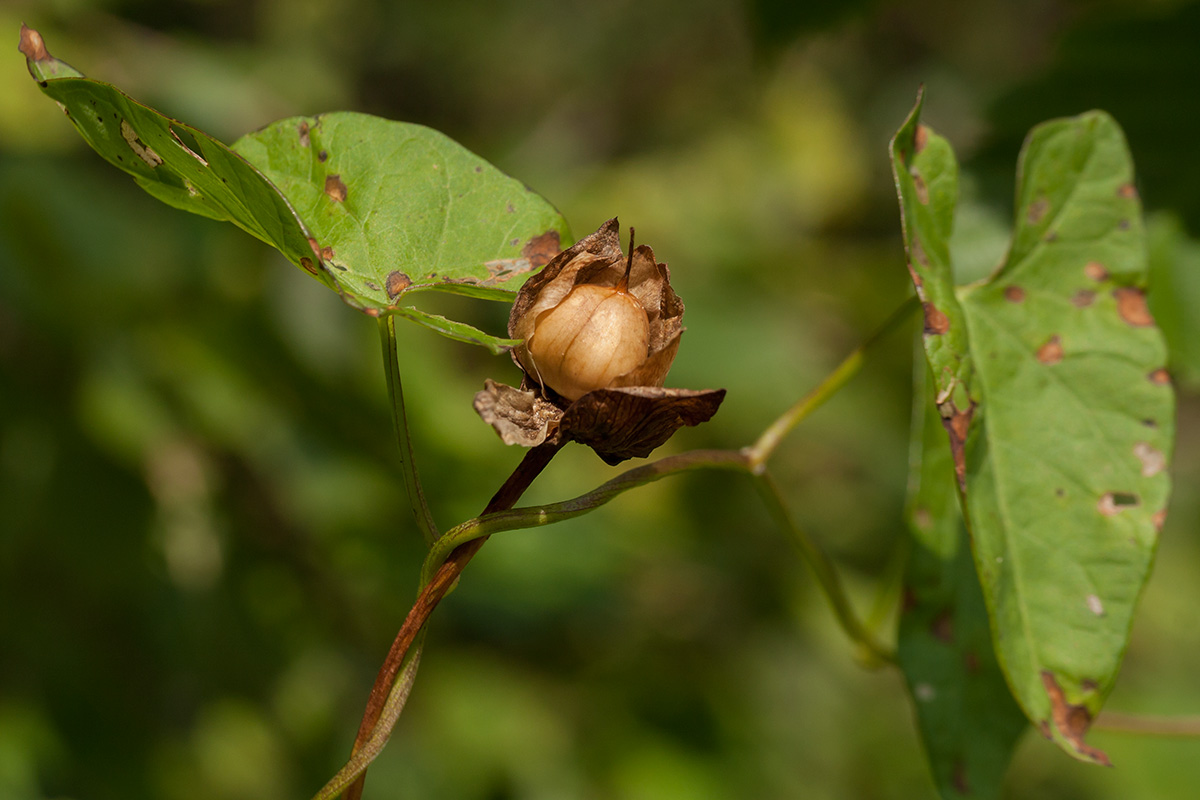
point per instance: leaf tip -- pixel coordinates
(1072, 721)
(31, 45)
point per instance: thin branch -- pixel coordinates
(537, 516)
(412, 482)
(823, 569)
(1148, 725)
(762, 449)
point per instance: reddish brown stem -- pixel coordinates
(443, 581)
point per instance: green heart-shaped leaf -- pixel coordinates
(1050, 383)
(373, 209)
(397, 207)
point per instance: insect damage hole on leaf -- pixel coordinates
(139, 147)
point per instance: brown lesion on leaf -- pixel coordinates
(1014, 294)
(1152, 459)
(327, 253)
(936, 323)
(1072, 721)
(374, 287)
(307, 265)
(1131, 305)
(1127, 191)
(958, 424)
(322, 156)
(922, 189)
(1159, 519)
(1052, 351)
(1113, 503)
(958, 778)
(315, 245)
(335, 188)
(1095, 271)
(537, 252)
(396, 284)
(1160, 377)
(920, 138)
(542, 248)
(1083, 298)
(303, 131)
(1037, 210)
(917, 251)
(942, 627)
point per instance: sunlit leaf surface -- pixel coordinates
(374, 209)
(1050, 383)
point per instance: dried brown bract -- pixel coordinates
(599, 332)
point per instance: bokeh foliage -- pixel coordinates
(203, 536)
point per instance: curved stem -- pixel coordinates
(762, 449)
(362, 758)
(536, 516)
(443, 581)
(412, 482)
(823, 569)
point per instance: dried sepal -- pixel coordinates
(631, 422)
(519, 416)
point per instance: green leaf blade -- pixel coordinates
(968, 720)
(371, 208)
(397, 207)
(1064, 450)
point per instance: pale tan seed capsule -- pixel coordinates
(594, 336)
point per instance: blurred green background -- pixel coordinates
(205, 548)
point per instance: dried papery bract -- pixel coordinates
(599, 332)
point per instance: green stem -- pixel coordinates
(824, 571)
(537, 516)
(375, 723)
(1148, 725)
(362, 757)
(412, 482)
(762, 449)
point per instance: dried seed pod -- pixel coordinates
(599, 332)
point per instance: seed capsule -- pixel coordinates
(594, 336)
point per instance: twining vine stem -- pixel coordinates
(432, 592)
(450, 553)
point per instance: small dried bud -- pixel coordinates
(599, 334)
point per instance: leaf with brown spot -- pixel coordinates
(1039, 552)
(396, 283)
(1014, 294)
(1131, 305)
(335, 189)
(1072, 721)
(1096, 271)
(444, 212)
(180, 165)
(1052, 351)
(936, 322)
